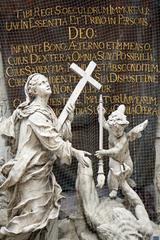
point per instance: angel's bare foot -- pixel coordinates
(113, 194)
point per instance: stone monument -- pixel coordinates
(34, 193)
(120, 162)
(108, 218)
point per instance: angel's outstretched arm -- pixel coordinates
(112, 152)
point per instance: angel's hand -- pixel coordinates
(101, 153)
(100, 180)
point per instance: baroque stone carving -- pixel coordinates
(3, 200)
(120, 162)
(109, 218)
(3, 108)
(33, 190)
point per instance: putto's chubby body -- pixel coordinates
(120, 162)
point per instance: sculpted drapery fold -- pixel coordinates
(34, 192)
(29, 178)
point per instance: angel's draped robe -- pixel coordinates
(34, 192)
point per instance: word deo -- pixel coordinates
(81, 33)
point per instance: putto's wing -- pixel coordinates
(136, 131)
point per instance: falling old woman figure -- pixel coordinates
(34, 192)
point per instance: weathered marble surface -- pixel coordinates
(34, 193)
(109, 218)
(120, 162)
(68, 231)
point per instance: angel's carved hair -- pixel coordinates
(118, 117)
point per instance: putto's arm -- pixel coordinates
(112, 152)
